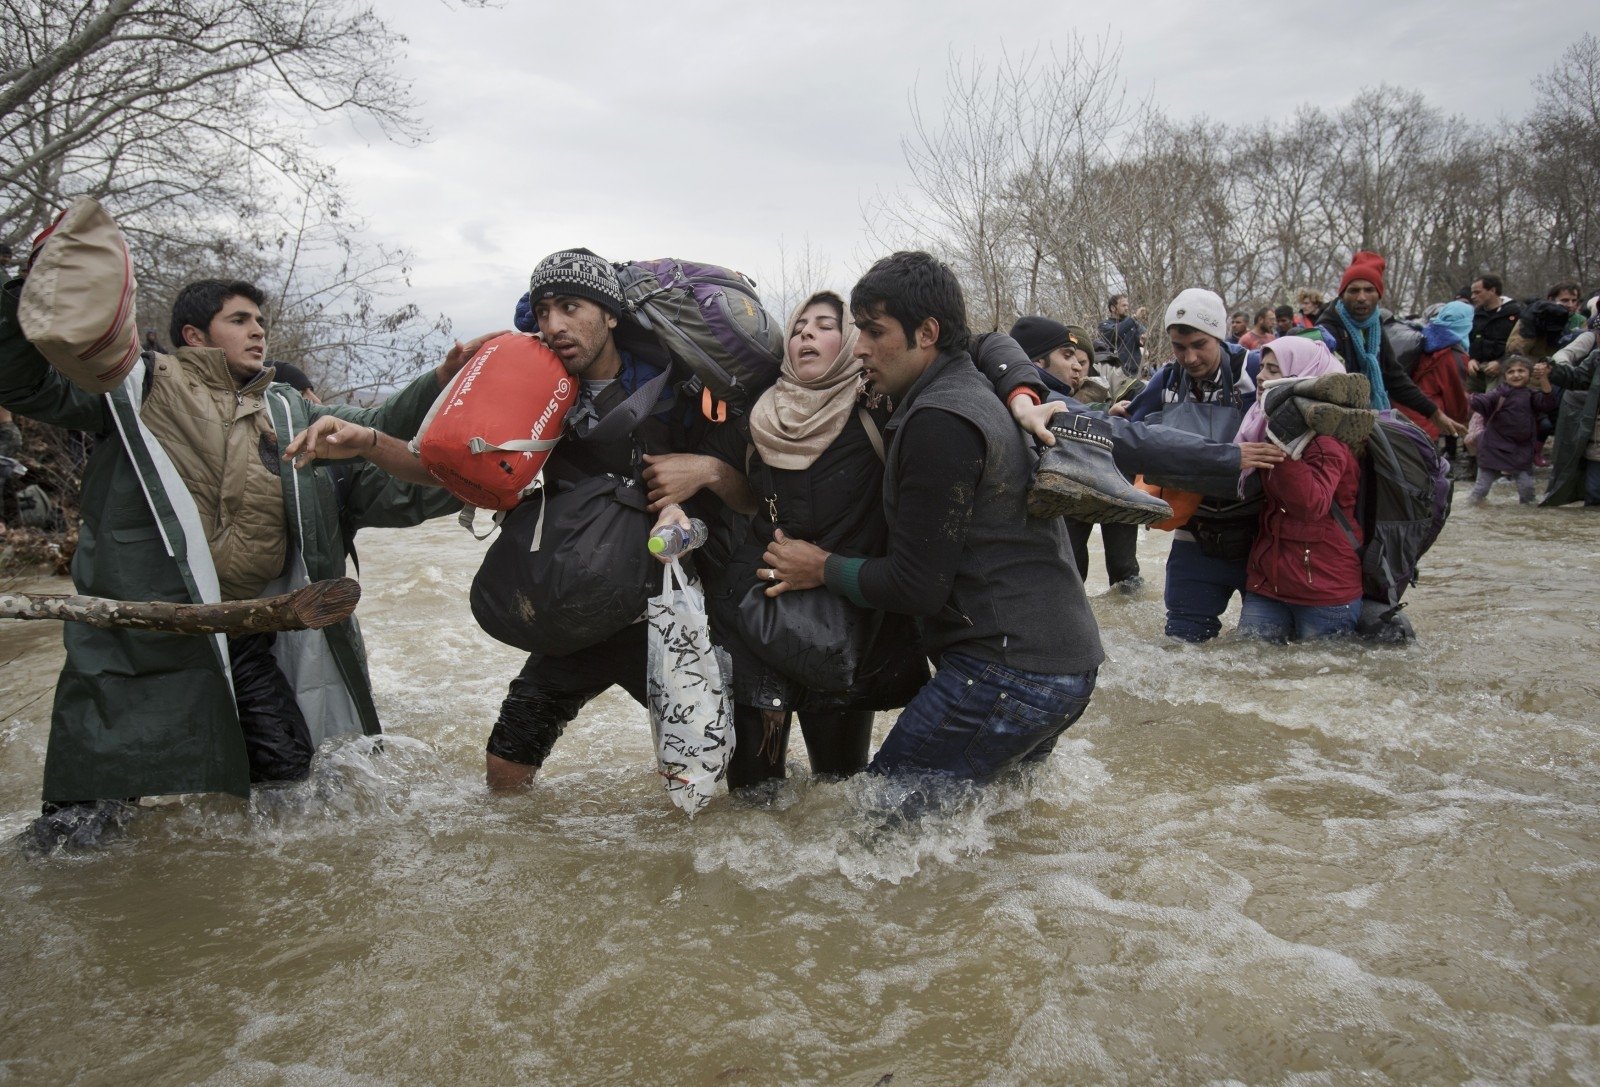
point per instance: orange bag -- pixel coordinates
(487, 436)
(1183, 503)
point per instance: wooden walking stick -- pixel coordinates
(311, 607)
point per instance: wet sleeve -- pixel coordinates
(1007, 366)
(30, 386)
(728, 442)
(945, 456)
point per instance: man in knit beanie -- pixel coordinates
(623, 426)
(1205, 388)
(1355, 325)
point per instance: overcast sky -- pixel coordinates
(717, 131)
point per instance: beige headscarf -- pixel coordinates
(795, 421)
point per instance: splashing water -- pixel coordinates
(1315, 864)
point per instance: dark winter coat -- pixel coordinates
(837, 504)
(1574, 427)
(1302, 554)
(1403, 392)
(1510, 426)
(1491, 329)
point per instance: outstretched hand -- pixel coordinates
(792, 564)
(1259, 455)
(1035, 418)
(330, 438)
(457, 356)
(1448, 425)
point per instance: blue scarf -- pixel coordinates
(1367, 339)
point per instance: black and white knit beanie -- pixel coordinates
(580, 274)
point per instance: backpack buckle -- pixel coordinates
(712, 408)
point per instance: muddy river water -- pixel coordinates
(1307, 865)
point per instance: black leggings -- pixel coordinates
(836, 743)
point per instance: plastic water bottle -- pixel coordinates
(670, 541)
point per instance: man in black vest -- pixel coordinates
(1003, 610)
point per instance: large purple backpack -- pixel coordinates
(711, 321)
(1404, 503)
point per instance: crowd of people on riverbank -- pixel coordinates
(903, 487)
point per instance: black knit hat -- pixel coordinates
(577, 273)
(293, 376)
(1039, 335)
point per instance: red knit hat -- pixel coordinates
(1364, 265)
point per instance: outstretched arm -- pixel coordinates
(332, 438)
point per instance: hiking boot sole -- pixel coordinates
(1352, 426)
(1056, 495)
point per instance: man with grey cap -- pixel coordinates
(1205, 389)
(628, 424)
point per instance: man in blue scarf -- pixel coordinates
(1356, 326)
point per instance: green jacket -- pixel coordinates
(1574, 427)
(147, 713)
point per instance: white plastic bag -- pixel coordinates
(691, 698)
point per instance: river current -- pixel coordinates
(1245, 864)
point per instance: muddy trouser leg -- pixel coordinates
(837, 742)
(549, 691)
(277, 740)
(760, 746)
(1122, 551)
(1198, 590)
(1480, 489)
(1524, 482)
(1078, 533)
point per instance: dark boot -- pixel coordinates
(77, 825)
(1295, 419)
(1077, 477)
(1287, 427)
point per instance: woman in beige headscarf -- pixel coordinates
(813, 455)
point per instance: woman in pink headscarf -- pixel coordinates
(1304, 576)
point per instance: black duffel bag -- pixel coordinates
(569, 569)
(811, 636)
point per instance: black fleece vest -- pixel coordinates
(1017, 599)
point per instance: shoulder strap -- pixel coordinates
(1344, 526)
(873, 434)
(621, 420)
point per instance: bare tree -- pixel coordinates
(1560, 145)
(799, 274)
(152, 102)
(185, 118)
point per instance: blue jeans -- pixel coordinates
(1274, 621)
(1591, 483)
(1198, 590)
(975, 719)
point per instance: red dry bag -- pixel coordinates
(488, 434)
